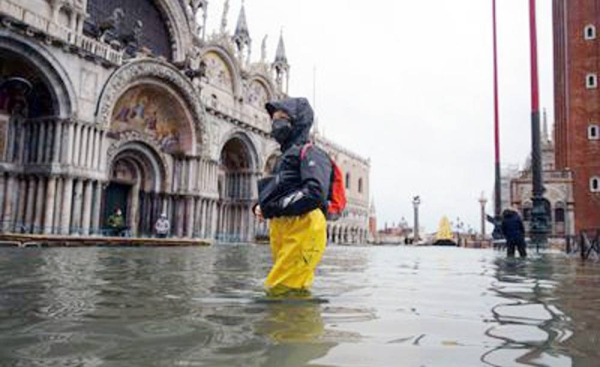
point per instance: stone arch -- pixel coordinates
(159, 73)
(248, 144)
(172, 18)
(270, 163)
(136, 176)
(56, 78)
(226, 57)
(254, 96)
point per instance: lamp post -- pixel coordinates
(539, 216)
(416, 202)
(497, 233)
(482, 202)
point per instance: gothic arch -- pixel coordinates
(248, 144)
(63, 94)
(150, 154)
(159, 72)
(231, 63)
(266, 83)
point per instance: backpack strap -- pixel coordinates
(305, 149)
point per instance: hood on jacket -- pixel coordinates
(301, 115)
(509, 213)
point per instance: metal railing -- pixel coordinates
(587, 244)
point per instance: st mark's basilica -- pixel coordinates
(135, 105)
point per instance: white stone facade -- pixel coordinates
(99, 116)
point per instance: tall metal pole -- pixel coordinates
(497, 187)
(539, 215)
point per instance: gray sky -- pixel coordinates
(409, 85)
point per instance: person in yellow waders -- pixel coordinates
(294, 199)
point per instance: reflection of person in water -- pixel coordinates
(296, 331)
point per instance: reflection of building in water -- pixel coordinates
(558, 195)
(109, 104)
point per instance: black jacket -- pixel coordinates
(296, 186)
(512, 226)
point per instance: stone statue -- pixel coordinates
(224, 18)
(263, 49)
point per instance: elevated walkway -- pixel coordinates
(25, 240)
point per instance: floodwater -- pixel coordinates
(388, 306)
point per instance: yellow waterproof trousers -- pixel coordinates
(297, 245)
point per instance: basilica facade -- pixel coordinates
(133, 105)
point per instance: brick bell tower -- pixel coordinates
(577, 103)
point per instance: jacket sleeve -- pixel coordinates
(315, 174)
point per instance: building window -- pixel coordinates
(559, 215)
(591, 81)
(348, 181)
(360, 185)
(593, 132)
(595, 184)
(589, 32)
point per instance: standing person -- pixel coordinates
(514, 232)
(116, 222)
(162, 226)
(294, 197)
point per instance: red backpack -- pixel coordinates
(337, 190)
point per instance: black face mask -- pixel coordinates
(281, 130)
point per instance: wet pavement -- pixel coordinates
(387, 306)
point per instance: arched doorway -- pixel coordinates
(136, 179)
(236, 183)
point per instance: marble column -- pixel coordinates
(11, 185)
(94, 154)
(49, 212)
(68, 142)
(49, 141)
(97, 200)
(180, 210)
(22, 197)
(134, 210)
(39, 205)
(58, 204)
(189, 225)
(30, 211)
(65, 212)
(87, 208)
(76, 145)
(57, 141)
(2, 198)
(41, 143)
(77, 205)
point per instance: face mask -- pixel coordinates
(281, 130)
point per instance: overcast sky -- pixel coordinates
(408, 84)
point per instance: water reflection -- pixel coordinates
(528, 323)
(387, 306)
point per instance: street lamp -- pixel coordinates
(482, 202)
(539, 216)
(416, 202)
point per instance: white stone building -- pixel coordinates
(109, 104)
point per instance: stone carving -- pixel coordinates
(263, 49)
(160, 71)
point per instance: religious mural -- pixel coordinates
(156, 114)
(257, 94)
(217, 71)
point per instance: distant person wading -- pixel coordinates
(514, 232)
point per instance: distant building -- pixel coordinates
(558, 193)
(396, 233)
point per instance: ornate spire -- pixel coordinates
(545, 134)
(241, 37)
(281, 67)
(280, 56)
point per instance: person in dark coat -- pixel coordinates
(514, 232)
(294, 197)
